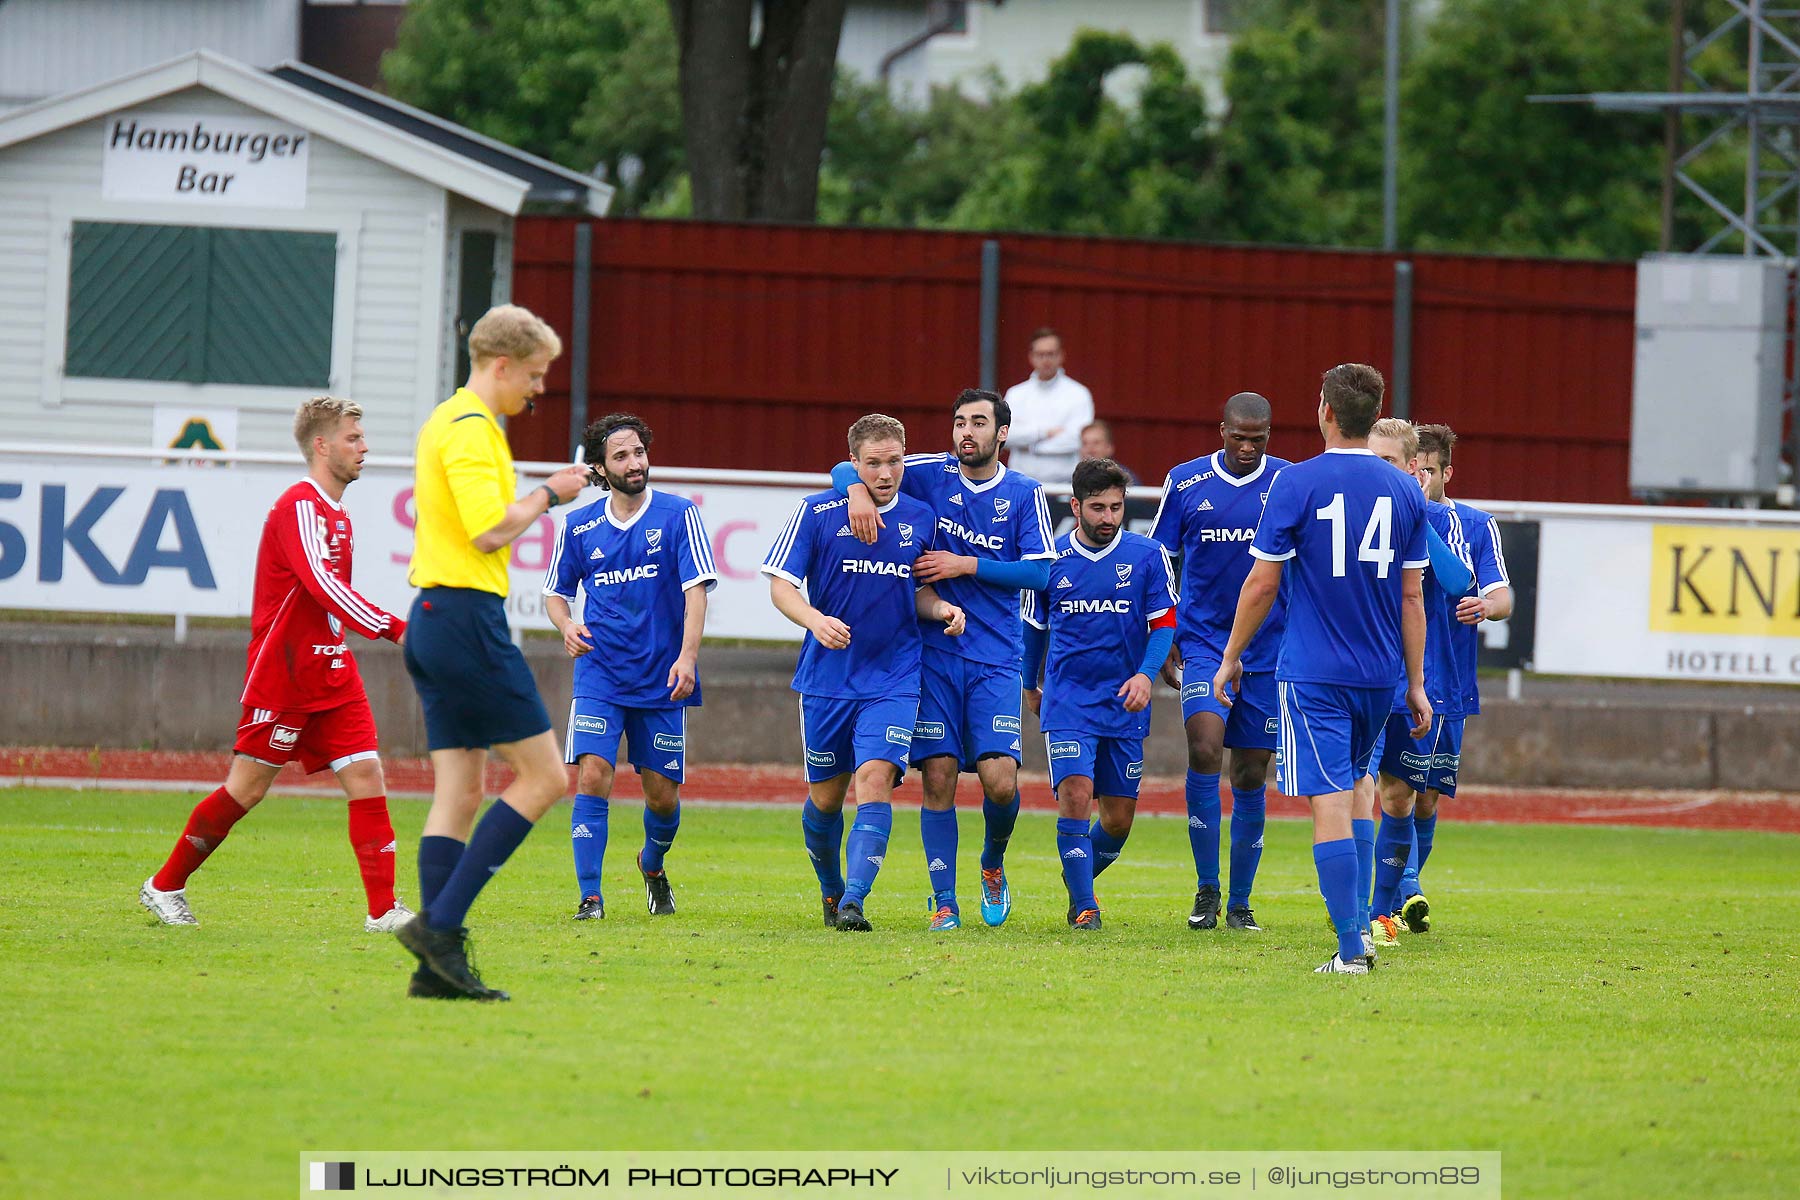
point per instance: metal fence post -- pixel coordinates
(579, 315)
(990, 313)
(1400, 384)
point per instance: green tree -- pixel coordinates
(580, 82)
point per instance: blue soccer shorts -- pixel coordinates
(1251, 722)
(1328, 734)
(1427, 764)
(841, 735)
(968, 710)
(655, 737)
(1115, 764)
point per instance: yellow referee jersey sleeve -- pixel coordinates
(463, 483)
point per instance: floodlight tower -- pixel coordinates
(1759, 221)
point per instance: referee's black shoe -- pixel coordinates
(444, 952)
(657, 894)
(425, 986)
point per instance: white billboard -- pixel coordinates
(134, 537)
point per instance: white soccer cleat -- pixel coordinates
(171, 908)
(388, 921)
(1368, 946)
(1337, 966)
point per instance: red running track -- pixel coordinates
(1776, 812)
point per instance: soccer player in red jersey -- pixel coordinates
(303, 696)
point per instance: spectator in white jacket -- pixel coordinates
(1049, 411)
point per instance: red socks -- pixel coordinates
(207, 826)
(372, 837)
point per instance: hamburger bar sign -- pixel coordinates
(172, 158)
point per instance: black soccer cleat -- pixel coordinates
(591, 909)
(657, 894)
(425, 986)
(1241, 918)
(850, 918)
(830, 905)
(445, 953)
(1086, 919)
(1206, 908)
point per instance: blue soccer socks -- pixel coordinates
(1249, 818)
(1203, 813)
(1106, 847)
(1077, 854)
(824, 845)
(659, 835)
(937, 830)
(587, 833)
(1363, 834)
(1337, 867)
(867, 847)
(999, 819)
(1392, 845)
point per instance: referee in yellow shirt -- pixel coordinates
(472, 681)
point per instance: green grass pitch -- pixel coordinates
(1617, 1011)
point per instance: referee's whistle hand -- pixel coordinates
(567, 483)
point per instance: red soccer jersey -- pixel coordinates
(298, 659)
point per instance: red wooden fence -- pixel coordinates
(755, 346)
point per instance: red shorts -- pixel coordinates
(335, 737)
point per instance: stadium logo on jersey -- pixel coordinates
(653, 537)
(625, 575)
(1071, 608)
(284, 737)
(821, 758)
(669, 741)
(1064, 582)
(987, 541)
(590, 724)
(1227, 535)
(1006, 724)
(1001, 507)
(1134, 770)
(828, 505)
(929, 731)
(1191, 480)
(583, 528)
(1193, 691)
(597, 555)
(862, 566)
(1064, 750)
(899, 735)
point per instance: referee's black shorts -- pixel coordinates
(472, 681)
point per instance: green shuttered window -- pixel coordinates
(180, 304)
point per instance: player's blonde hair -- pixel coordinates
(319, 417)
(1402, 432)
(509, 331)
(876, 427)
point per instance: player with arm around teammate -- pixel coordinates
(1492, 601)
(994, 541)
(303, 695)
(1100, 629)
(1349, 534)
(1209, 512)
(858, 674)
(643, 561)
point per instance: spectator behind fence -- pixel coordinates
(1049, 411)
(1097, 442)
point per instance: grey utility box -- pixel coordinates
(1707, 381)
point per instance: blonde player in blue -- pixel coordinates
(1099, 630)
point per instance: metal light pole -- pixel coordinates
(1390, 147)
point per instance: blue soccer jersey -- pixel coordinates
(1098, 607)
(635, 574)
(868, 588)
(1005, 518)
(1208, 516)
(1443, 648)
(1347, 524)
(1489, 562)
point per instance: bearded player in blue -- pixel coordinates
(1407, 765)
(994, 541)
(1209, 513)
(1100, 629)
(643, 560)
(858, 675)
(1347, 532)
